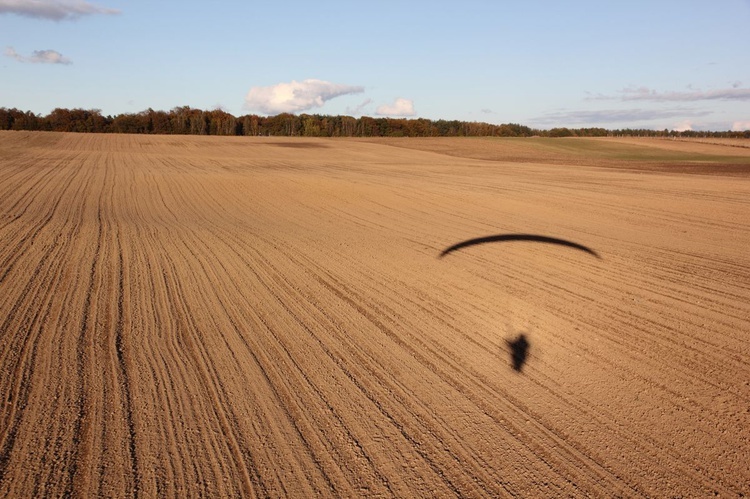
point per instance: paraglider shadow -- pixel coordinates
(519, 347)
(517, 237)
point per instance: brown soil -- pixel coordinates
(185, 316)
(636, 154)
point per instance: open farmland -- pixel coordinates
(188, 316)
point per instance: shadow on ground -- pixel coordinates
(519, 351)
(519, 347)
(517, 237)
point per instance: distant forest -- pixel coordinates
(188, 121)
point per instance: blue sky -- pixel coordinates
(639, 64)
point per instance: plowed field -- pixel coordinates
(184, 316)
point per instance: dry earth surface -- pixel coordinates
(185, 316)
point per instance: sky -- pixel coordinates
(681, 65)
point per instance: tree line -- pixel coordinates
(189, 121)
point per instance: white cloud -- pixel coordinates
(615, 116)
(683, 126)
(56, 10)
(356, 111)
(736, 93)
(11, 52)
(740, 126)
(296, 96)
(401, 107)
(39, 56)
(49, 57)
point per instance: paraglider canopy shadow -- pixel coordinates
(519, 347)
(517, 237)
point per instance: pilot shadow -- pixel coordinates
(519, 352)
